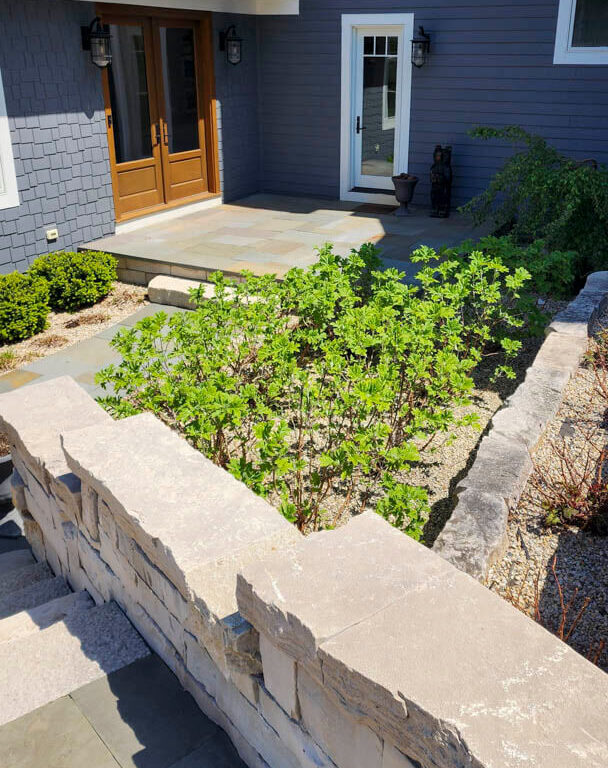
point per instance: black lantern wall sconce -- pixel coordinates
(421, 45)
(96, 40)
(232, 44)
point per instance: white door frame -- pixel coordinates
(350, 24)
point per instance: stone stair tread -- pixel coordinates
(46, 665)
(42, 616)
(33, 595)
(22, 577)
(12, 561)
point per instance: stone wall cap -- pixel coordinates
(332, 580)
(455, 675)
(183, 510)
(34, 416)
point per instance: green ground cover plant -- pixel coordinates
(540, 194)
(24, 306)
(75, 280)
(321, 392)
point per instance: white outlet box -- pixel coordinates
(52, 234)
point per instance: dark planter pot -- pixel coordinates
(405, 184)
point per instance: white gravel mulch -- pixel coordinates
(525, 576)
(66, 328)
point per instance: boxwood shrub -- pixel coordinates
(24, 306)
(75, 280)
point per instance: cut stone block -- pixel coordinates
(346, 741)
(22, 577)
(393, 758)
(575, 319)
(32, 595)
(17, 491)
(175, 291)
(90, 514)
(200, 665)
(291, 733)
(42, 616)
(34, 416)
(279, 671)
(597, 282)
(475, 536)
(350, 574)
(193, 521)
(35, 538)
(11, 561)
(52, 663)
(502, 468)
(561, 352)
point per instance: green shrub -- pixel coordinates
(541, 194)
(322, 391)
(76, 280)
(552, 273)
(24, 306)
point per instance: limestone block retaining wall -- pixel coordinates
(355, 648)
(475, 536)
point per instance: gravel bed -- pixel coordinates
(66, 328)
(525, 576)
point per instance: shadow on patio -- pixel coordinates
(269, 234)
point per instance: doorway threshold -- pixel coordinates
(167, 214)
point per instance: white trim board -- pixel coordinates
(9, 196)
(254, 7)
(350, 23)
(564, 52)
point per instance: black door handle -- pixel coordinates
(359, 126)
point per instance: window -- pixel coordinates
(582, 32)
(9, 195)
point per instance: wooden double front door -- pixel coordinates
(159, 111)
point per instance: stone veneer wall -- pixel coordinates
(354, 648)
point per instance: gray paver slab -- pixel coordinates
(55, 735)
(144, 716)
(88, 355)
(218, 752)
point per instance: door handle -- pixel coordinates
(165, 135)
(156, 134)
(359, 126)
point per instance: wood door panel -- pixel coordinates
(186, 170)
(140, 181)
(175, 73)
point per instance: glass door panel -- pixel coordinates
(132, 117)
(183, 152)
(377, 108)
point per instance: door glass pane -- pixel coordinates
(590, 24)
(379, 110)
(129, 94)
(179, 81)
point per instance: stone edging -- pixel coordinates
(475, 536)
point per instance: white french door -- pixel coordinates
(376, 87)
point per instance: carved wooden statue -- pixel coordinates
(441, 181)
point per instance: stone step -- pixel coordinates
(42, 616)
(46, 665)
(18, 558)
(33, 595)
(22, 577)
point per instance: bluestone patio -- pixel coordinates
(269, 234)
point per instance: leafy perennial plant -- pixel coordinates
(321, 391)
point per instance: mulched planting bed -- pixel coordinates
(559, 575)
(65, 328)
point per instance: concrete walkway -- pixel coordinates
(269, 234)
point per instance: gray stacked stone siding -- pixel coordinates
(55, 107)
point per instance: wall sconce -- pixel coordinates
(232, 44)
(97, 40)
(421, 45)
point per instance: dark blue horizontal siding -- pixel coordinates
(491, 64)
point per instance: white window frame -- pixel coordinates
(388, 122)
(9, 198)
(565, 53)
